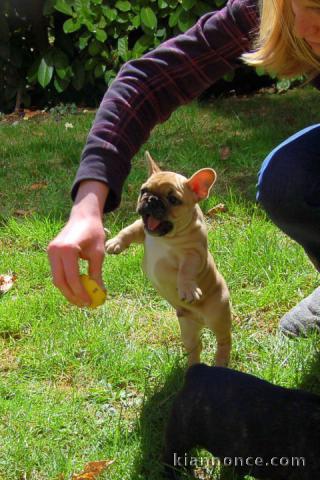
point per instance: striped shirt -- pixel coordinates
(147, 90)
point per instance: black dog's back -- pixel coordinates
(248, 421)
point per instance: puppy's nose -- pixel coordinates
(153, 201)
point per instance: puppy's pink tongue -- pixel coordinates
(152, 223)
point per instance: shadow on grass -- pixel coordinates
(152, 424)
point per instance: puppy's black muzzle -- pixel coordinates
(152, 205)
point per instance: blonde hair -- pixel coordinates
(277, 49)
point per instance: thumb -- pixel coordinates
(95, 268)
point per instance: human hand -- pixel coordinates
(82, 237)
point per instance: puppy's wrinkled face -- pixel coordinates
(162, 202)
(166, 202)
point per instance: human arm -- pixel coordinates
(147, 90)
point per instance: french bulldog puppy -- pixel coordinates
(252, 426)
(176, 256)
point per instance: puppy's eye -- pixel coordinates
(143, 191)
(174, 200)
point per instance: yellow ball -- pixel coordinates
(96, 293)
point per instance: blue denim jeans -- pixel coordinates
(289, 189)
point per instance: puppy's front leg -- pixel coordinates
(187, 274)
(134, 233)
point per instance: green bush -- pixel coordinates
(57, 48)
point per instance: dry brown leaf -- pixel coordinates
(7, 282)
(224, 152)
(38, 186)
(220, 208)
(23, 213)
(61, 476)
(92, 470)
(31, 113)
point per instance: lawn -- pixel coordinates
(80, 385)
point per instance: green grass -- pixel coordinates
(78, 385)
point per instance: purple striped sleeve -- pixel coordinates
(146, 91)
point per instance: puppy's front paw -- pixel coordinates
(114, 246)
(189, 292)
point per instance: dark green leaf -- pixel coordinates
(71, 25)
(123, 48)
(109, 76)
(90, 26)
(186, 20)
(201, 8)
(105, 54)
(45, 73)
(59, 59)
(101, 35)
(173, 19)
(123, 5)
(161, 33)
(136, 21)
(162, 4)
(99, 70)
(109, 13)
(148, 18)
(64, 7)
(60, 84)
(95, 48)
(83, 40)
(188, 4)
(102, 23)
(142, 44)
(62, 73)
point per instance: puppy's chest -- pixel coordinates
(160, 263)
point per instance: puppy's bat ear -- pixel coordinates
(201, 182)
(152, 166)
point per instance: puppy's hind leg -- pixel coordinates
(222, 356)
(218, 320)
(190, 327)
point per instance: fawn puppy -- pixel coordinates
(176, 256)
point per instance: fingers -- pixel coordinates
(95, 266)
(72, 275)
(65, 273)
(82, 237)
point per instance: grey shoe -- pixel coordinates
(304, 317)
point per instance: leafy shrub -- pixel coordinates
(101, 37)
(56, 48)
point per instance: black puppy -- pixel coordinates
(256, 428)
